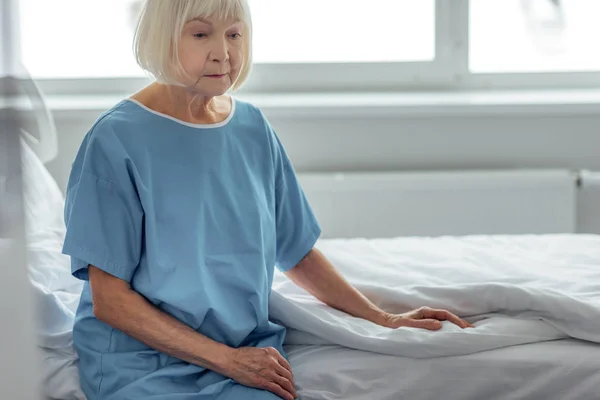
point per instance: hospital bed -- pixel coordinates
(498, 247)
(509, 355)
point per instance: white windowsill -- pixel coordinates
(329, 105)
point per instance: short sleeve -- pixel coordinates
(103, 213)
(296, 224)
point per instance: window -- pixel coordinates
(91, 38)
(293, 32)
(323, 45)
(512, 36)
(78, 38)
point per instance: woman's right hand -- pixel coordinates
(262, 368)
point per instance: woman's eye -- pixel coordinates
(236, 35)
(200, 35)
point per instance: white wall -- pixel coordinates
(372, 141)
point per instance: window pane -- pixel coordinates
(78, 38)
(93, 38)
(534, 36)
(323, 31)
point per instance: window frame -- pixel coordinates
(448, 71)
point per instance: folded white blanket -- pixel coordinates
(515, 289)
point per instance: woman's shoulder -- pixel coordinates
(253, 117)
(246, 108)
(124, 112)
(121, 118)
(112, 134)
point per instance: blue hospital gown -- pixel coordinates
(195, 217)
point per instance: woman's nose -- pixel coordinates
(219, 51)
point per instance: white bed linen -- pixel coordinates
(56, 293)
(558, 370)
(517, 290)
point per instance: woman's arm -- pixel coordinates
(317, 275)
(119, 306)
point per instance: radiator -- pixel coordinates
(443, 203)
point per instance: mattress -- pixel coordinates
(562, 370)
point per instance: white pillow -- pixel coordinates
(44, 202)
(56, 292)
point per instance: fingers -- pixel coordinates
(444, 315)
(286, 366)
(278, 390)
(285, 384)
(468, 325)
(285, 374)
(430, 315)
(282, 361)
(284, 377)
(429, 324)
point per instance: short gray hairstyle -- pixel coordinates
(160, 27)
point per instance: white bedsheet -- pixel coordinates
(55, 292)
(516, 290)
(558, 370)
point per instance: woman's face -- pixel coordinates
(211, 53)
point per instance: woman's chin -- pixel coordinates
(217, 88)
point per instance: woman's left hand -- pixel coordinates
(424, 318)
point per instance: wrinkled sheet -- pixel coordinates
(558, 370)
(515, 289)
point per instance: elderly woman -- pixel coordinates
(181, 201)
